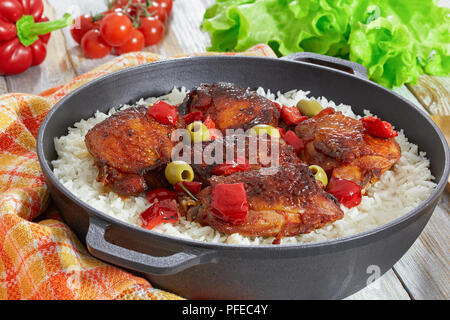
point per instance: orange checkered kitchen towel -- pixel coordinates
(40, 257)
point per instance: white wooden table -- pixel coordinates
(422, 273)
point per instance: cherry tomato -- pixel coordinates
(135, 43)
(158, 11)
(166, 4)
(81, 26)
(116, 29)
(152, 29)
(94, 46)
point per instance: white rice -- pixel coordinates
(399, 190)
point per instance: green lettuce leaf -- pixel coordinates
(396, 40)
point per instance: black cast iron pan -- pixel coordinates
(331, 270)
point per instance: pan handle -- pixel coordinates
(109, 252)
(331, 62)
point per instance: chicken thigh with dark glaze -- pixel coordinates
(231, 106)
(342, 147)
(287, 203)
(128, 146)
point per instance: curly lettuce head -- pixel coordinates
(396, 40)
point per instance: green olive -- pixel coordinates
(199, 132)
(308, 107)
(319, 174)
(262, 129)
(179, 171)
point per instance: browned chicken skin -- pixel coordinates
(340, 145)
(126, 147)
(231, 106)
(287, 203)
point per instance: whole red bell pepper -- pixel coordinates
(24, 33)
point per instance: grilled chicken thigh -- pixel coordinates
(127, 147)
(231, 106)
(288, 203)
(340, 145)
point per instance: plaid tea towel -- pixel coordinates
(40, 257)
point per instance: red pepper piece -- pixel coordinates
(229, 203)
(229, 167)
(282, 132)
(291, 139)
(346, 192)
(213, 132)
(24, 32)
(163, 211)
(160, 194)
(209, 123)
(292, 116)
(193, 187)
(193, 116)
(378, 128)
(164, 113)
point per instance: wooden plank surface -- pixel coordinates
(433, 93)
(423, 273)
(3, 85)
(388, 287)
(424, 269)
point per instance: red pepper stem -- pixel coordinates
(28, 31)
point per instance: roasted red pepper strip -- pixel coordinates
(193, 116)
(164, 113)
(160, 194)
(213, 132)
(209, 123)
(229, 203)
(193, 187)
(292, 116)
(229, 167)
(291, 139)
(163, 211)
(24, 33)
(346, 192)
(378, 128)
